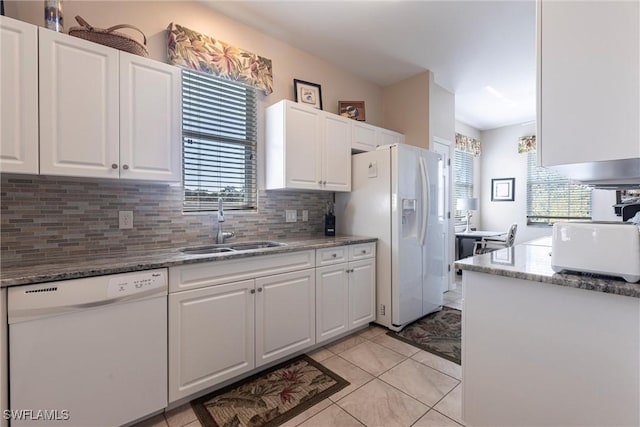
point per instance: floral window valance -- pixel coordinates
(467, 144)
(196, 51)
(526, 144)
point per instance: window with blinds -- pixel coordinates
(219, 143)
(463, 181)
(552, 197)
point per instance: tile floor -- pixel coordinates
(392, 384)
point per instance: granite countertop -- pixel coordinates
(73, 268)
(532, 261)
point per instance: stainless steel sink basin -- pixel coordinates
(231, 247)
(246, 246)
(202, 250)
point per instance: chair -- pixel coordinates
(490, 244)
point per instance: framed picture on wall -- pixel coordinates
(352, 110)
(308, 93)
(503, 189)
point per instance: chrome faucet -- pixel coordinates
(222, 234)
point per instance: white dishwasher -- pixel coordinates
(88, 352)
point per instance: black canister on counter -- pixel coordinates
(329, 225)
(329, 221)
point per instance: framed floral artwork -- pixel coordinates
(308, 93)
(352, 110)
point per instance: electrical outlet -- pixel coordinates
(125, 219)
(305, 215)
(291, 215)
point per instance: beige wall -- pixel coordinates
(406, 108)
(442, 113)
(153, 17)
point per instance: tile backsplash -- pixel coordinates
(49, 217)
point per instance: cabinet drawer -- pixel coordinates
(194, 276)
(364, 250)
(330, 256)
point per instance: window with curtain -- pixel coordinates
(219, 143)
(463, 181)
(552, 197)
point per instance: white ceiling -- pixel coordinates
(483, 51)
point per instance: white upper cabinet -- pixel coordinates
(588, 81)
(78, 107)
(150, 147)
(19, 96)
(106, 113)
(387, 137)
(307, 149)
(365, 137)
(336, 154)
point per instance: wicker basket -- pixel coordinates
(110, 37)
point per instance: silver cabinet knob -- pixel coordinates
(259, 289)
(252, 291)
(364, 251)
(114, 166)
(334, 255)
(125, 167)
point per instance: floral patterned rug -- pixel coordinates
(271, 397)
(438, 333)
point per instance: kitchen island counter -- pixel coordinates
(532, 261)
(122, 262)
(547, 349)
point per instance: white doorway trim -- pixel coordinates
(445, 148)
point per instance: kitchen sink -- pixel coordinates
(202, 250)
(246, 246)
(232, 247)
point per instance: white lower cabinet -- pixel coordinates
(218, 331)
(362, 291)
(211, 336)
(345, 291)
(278, 305)
(285, 315)
(332, 301)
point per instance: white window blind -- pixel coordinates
(552, 197)
(463, 181)
(219, 143)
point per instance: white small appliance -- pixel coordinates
(397, 196)
(89, 352)
(611, 249)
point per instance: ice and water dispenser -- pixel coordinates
(409, 218)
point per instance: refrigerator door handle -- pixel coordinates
(425, 199)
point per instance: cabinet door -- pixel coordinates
(362, 289)
(78, 107)
(332, 301)
(387, 137)
(303, 160)
(19, 96)
(336, 153)
(285, 315)
(150, 119)
(589, 81)
(210, 336)
(363, 136)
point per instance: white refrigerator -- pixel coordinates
(397, 196)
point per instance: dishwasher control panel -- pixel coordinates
(130, 284)
(29, 302)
